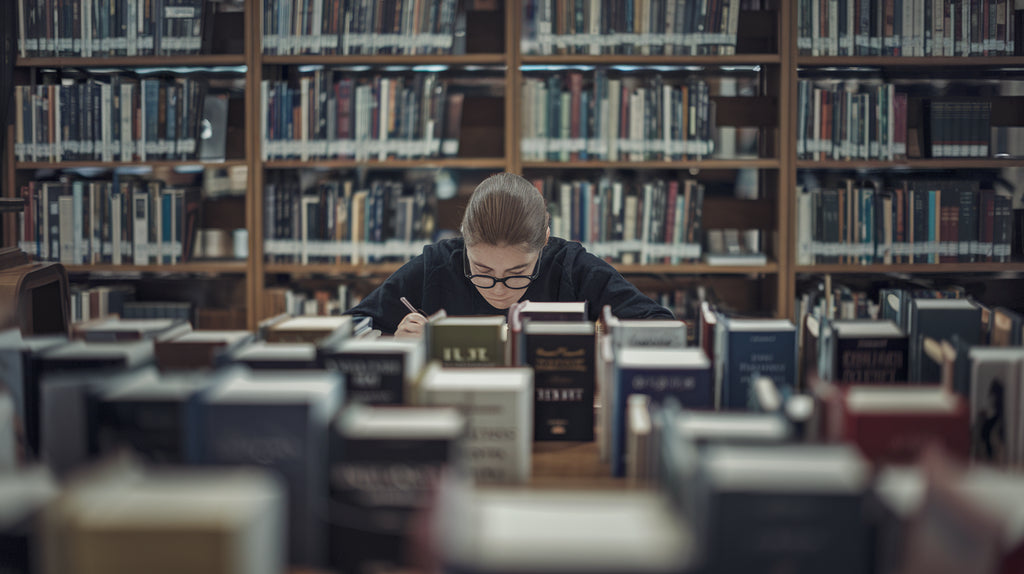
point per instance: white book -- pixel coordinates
(667, 333)
(115, 227)
(498, 405)
(996, 400)
(140, 227)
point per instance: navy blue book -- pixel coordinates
(385, 464)
(748, 348)
(952, 320)
(154, 415)
(562, 355)
(278, 421)
(377, 371)
(684, 374)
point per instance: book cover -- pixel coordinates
(498, 406)
(814, 494)
(376, 371)
(467, 341)
(385, 464)
(562, 355)
(278, 421)
(683, 374)
(748, 348)
(996, 402)
(942, 320)
(667, 333)
(865, 351)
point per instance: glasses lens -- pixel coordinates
(482, 281)
(517, 282)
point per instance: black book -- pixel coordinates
(384, 466)
(377, 371)
(563, 359)
(865, 351)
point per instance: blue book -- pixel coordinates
(747, 348)
(278, 421)
(659, 373)
(957, 321)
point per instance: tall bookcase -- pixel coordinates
(755, 90)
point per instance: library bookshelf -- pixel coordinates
(753, 90)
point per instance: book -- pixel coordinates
(18, 376)
(812, 493)
(554, 311)
(195, 520)
(154, 415)
(562, 355)
(939, 319)
(25, 494)
(307, 329)
(378, 371)
(639, 439)
(1006, 327)
(893, 424)
(261, 355)
(467, 341)
(199, 349)
(668, 333)
(499, 531)
(997, 436)
(498, 406)
(119, 329)
(385, 463)
(683, 374)
(746, 348)
(278, 421)
(864, 351)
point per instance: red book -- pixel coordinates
(894, 423)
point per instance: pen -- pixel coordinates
(409, 306)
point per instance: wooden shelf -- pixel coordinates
(920, 163)
(631, 269)
(451, 163)
(768, 163)
(196, 60)
(196, 267)
(638, 60)
(907, 62)
(418, 60)
(912, 268)
(116, 164)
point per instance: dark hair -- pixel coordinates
(506, 209)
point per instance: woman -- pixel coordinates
(506, 254)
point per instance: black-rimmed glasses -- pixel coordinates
(487, 281)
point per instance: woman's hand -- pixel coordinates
(411, 326)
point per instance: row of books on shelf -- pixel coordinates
(643, 27)
(98, 28)
(349, 27)
(915, 221)
(624, 117)
(121, 118)
(380, 117)
(340, 219)
(123, 221)
(297, 301)
(629, 222)
(909, 28)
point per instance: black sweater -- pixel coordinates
(435, 280)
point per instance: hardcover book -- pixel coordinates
(942, 320)
(1006, 327)
(997, 430)
(384, 467)
(377, 371)
(562, 355)
(154, 415)
(554, 311)
(667, 333)
(278, 421)
(813, 493)
(864, 351)
(747, 348)
(199, 349)
(309, 329)
(118, 329)
(893, 424)
(25, 494)
(261, 355)
(683, 374)
(467, 341)
(507, 531)
(18, 375)
(498, 406)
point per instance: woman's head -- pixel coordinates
(505, 227)
(506, 210)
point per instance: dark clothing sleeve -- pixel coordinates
(435, 280)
